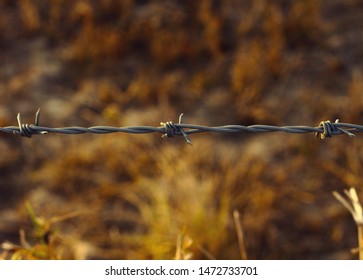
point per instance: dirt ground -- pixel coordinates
(135, 62)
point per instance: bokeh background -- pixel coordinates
(135, 62)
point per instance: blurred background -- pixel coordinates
(136, 62)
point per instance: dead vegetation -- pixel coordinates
(135, 62)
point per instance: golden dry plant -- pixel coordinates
(183, 244)
(240, 235)
(132, 62)
(353, 205)
(46, 243)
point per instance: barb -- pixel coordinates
(27, 130)
(330, 129)
(326, 129)
(171, 129)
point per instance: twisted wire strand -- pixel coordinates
(169, 129)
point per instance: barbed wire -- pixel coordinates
(170, 129)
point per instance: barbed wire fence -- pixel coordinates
(170, 129)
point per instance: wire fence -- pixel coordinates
(170, 129)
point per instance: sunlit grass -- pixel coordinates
(140, 63)
(353, 205)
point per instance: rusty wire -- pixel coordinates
(169, 129)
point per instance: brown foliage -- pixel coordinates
(87, 62)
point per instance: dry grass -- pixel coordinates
(138, 63)
(354, 206)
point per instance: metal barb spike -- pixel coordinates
(171, 129)
(18, 117)
(37, 116)
(28, 130)
(182, 131)
(330, 129)
(23, 128)
(344, 130)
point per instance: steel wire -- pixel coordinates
(169, 129)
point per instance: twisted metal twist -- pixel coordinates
(169, 129)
